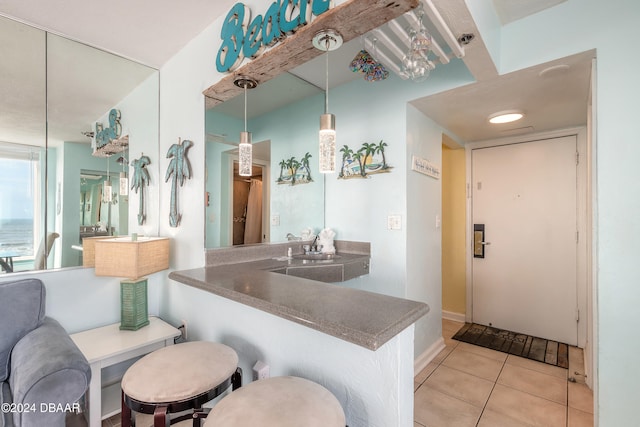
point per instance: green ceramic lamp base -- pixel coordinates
(133, 304)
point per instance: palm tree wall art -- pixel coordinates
(180, 168)
(139, 182)
(367, 160)
(294, 171)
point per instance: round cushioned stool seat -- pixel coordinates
(179, 372)
(278, 402)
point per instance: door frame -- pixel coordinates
(584, 206)
(266, 197)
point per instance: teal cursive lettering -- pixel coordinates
(245, 38)
(321, 6)
(306, 10)
(252, 46)
(287, 23)
(271, 27)
(232, 35)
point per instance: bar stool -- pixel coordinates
(178, 378)
(278, 402)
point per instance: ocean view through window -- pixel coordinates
(20, 213)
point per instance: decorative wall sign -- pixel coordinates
(180, 168)
(108, 141)
(243, 37)
(111, 132)
(139, 181)
(294, 172)
(367, 160)
(425, 167)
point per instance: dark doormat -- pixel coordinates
(540, 349)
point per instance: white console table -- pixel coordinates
(107, 346)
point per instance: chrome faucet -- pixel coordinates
(313, 248)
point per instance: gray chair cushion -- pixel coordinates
(22, 305)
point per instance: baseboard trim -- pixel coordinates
(456, 317)
(428, 355)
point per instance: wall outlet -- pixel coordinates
(183, 330)
(260, 371)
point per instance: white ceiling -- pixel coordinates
(147, 31)
(152, 31)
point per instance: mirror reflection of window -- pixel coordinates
(20, 211)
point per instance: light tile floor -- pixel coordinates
(467, 385)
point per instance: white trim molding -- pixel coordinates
(428, 355)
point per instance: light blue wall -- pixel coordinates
(293, 132)
(72, 158)
(217, 175)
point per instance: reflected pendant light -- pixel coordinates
(124, 181)
(245, 148)
(124, 184)
(327, 40)
(107, 190)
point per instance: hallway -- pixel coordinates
(467, 385)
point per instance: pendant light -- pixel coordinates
(124, 181)
(107, 190)
(245, 147)
(327, 40)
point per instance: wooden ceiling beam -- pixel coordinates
(350, 19)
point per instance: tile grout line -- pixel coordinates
(491, 392)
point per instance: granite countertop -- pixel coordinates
(364, 318)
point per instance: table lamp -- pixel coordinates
(132, 258)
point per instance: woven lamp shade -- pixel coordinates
(89, 250)
(123, 257)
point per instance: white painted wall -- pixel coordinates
(572, 27)
(424, 247)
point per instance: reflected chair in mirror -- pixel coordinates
(40, 261)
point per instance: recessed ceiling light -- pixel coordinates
(506, 116)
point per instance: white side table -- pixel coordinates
(109, 345)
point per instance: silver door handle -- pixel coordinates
(485, 243)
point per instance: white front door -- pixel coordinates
(525, 195)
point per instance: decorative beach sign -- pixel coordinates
(111, 132)
(243, 37)
(369, 159)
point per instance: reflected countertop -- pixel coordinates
(364, 318)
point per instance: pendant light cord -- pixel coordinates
(326, 84)
(245, 106)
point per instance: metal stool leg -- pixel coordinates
(236, 379)
(126, 415)
(160, 418)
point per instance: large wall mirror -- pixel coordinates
(53, 92)
(282, 115)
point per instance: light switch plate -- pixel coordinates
(394, 222)
(275, 220)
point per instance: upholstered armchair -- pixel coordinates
(42, 372)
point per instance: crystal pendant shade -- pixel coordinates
(107, 192)
(124, 184)
(327, 137)
(245, 154)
